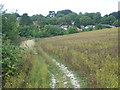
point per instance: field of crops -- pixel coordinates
(93, 55)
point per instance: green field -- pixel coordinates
(92, 55)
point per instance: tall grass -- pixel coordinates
(93, 55)
(33, 74)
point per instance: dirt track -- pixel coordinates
(67, 74)
(28, 44)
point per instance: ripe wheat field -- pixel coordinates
(93, 55)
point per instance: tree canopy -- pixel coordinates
(64, 12)
(25, 20)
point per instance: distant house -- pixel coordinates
(108, 25)
(78, 29)
(88, 26)
(65, 27)
(82, 26)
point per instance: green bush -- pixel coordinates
(10, 60)
(51, 30)
(98, 26)
(72, 30)
(28, 31)
(116, 23)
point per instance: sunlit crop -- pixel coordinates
(93, 55)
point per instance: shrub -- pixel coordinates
(72, 30)
(10, 60)
(99, 26)
(51, 30)
(28, 31)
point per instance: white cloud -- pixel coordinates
(44, 6)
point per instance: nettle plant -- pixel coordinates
(10, 59)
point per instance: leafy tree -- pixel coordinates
(115, 14)
(9, 27)
(77, 21)
(80, 13)
(17, 14)
(43, 21)
(116, 23)
(25, 20)
(96, 17)
(85, 20)
(53, 21)
(27, 31)
(36, 17)
(118, 15)
(67, 19)
(51, 14)
(59, 15)
(98, 26)
(10, 51)
(61, 21)
(72, 16)
(89, 15)
(72, 30)
(108, 20)
(51, 30)
(64, 12)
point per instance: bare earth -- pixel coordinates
(28, 44)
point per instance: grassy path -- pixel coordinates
(67, 74)
(61, 76)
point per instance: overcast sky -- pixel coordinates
(43, 7)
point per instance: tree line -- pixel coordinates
(14, 24)
(67, 17)
(45, 26)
